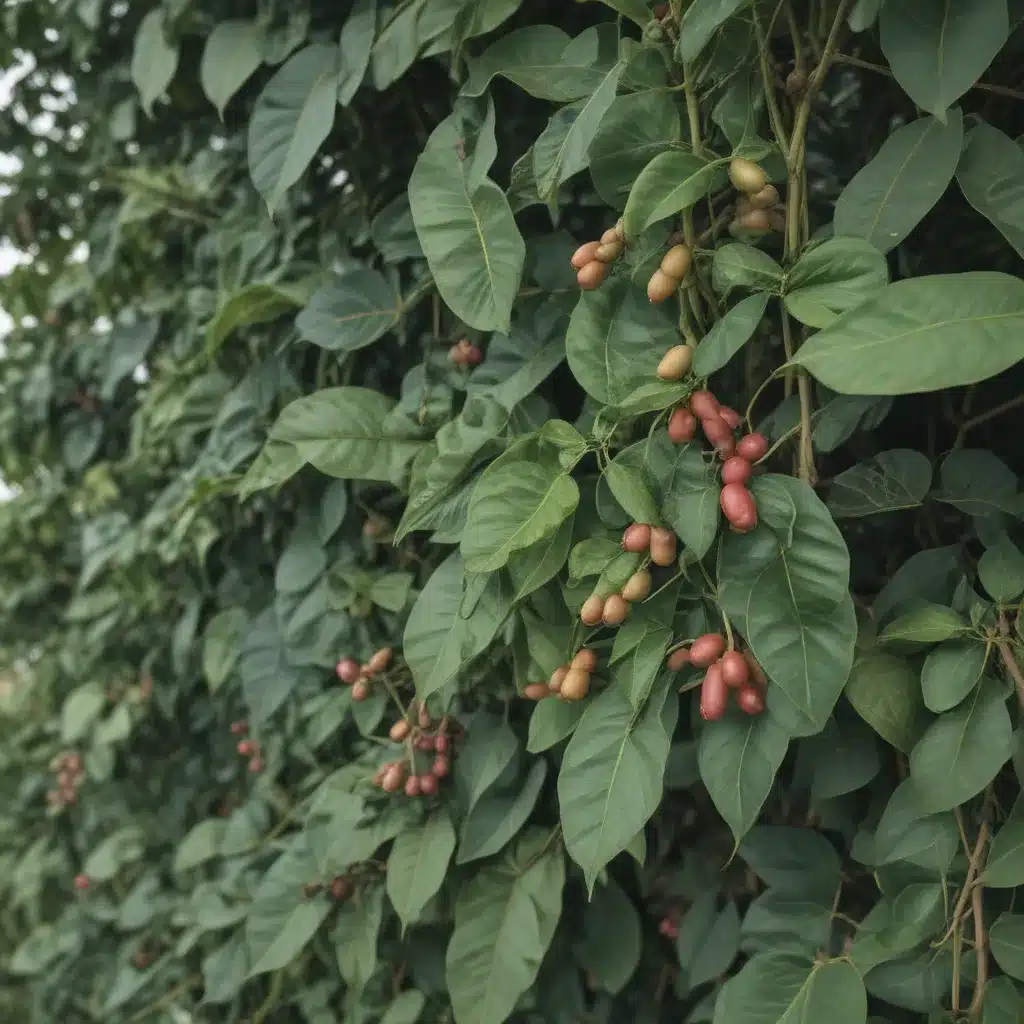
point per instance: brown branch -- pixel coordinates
(977, 858)
(1009, 661)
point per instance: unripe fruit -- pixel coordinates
(714, 694)
(747, 176)
(765, 199)
(558, 678)
(440, 768)
(475, 355)
(616, 608)
(735, 670)
(256, 766)
(750, 700)
(739, 507)
(677, 261)
(380, 660)
(755, 220)
(611, 235)
(752, 447)
(341, 889)
(661, 286)
(536, 691)
(663, 546)
(400, 730)
(81, 881)
(576, 684)
(736, 470)
(703, 404)
(245, 747)
(441, 741)
(609, 252)
(637, 538)
(682, 426)
(679, 659)
(731, 416)
(428, 785)
(347, 670)
(592, 610)
(637, 587)
(584, 254)
(585, 658)
(361, 690)
(393, 778)
(756, 672)
(707, 649)
(675, 363)
(592, 275)
(412, 785)
(424, 717)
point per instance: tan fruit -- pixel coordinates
(616, 608)
(380, 660)
(677, 262)
(747, 176)
(592, 275)
(400, 730)
(675, 363)
(592, 610)
(755, 220)
(661, 286)
(663, 546)
(609, 252)
(776, 220)
(763, 200)
(620, 231)
(557, 678)
(394, 778)
(584, 255)
(637, 587)
(585, 658)
(636, 538)
(536, 691)
(611, 235)
(576, 684)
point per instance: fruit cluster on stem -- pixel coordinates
(726, 672)
(425, 737)
(592, 260)
(247, 747)
(465, 353)
(569, 682)
(351, 673)
(758, 207)
(69, 774)
(675, 265)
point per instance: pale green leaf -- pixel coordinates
(233, 51)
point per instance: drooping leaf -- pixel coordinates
(892, 480)
(349, 312)
(701, 20)
(354, 48)
(233, 51)
(671, 182)
(729, 335)
(885, 692)
(950, 672)
(417, 865)
(154, 59)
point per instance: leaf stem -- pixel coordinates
(866, 65)
(1009, 661)
(805, 450)
(984, 417)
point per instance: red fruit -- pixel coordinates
(239, 728)
(714, 694)
(341, 889)
(536, 691)
(637, 538)
(679, 659)
(731, 416)
(347, 670)
(756, 672)
(585, 254)
(424, 717)
(736, 470)
(750, 700)
(752, 447)
(707, 649)
(475, 355)
(412, 785)
(82, 881)
(425, 744)
(739, 507)
(440, 768)
(663, 546)
(586, 659)
(735, 670)
(246, 747)
(703, 404)
(441, 742)
(361, 690)
(592, 275)
(716, 430)
(682, 426)
(256, 766)
(400, 730)
(428, 785)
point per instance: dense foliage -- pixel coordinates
(411, 612)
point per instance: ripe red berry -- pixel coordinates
(440, 767)
(637, 538)
(361, 690)
(239, 728)
(714, 694)
(347, 670)
(736, 470)
(412, 786)
(428, 784)
(256, 766)
(735, 670)
(82, 881)
(679, 659)
(750, 700)
(707, 649)
(731, 416)
(245, 747)
(682, 426)
(752, 447)
(703, 404)
(341, 889)
(440, 743)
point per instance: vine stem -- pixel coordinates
(856, 62)
(973, 867)
(1009, 661)
(980, 952)
(805, 448)
(984, 417)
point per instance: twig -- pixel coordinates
(856, 62)
(805, 449)
(977, 858)
(984, 417)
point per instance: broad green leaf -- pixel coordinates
(222, 644)
(268, 672)
(920, 983)
(80, 710)
(950, 672)
(154, 59)
(844, 757)
(701, 20)
(552, 721)
(990, 174)
(888, 197)
(630, 491)
(977, 482)
(1004, 868)
(405, 1008)
(610, 781)
(885, 692)
(929, 333)
(729, 335)
(636, 128)
(738, 758)
(202, 843)
(563, 148)
(1003, 1002)
(718, 948)
(671, 182)
(1006, 938)
(895, 927)
(253, 304)
(833, 277)
(225, 971)
(690, 506)
(515, 504)
(355, 934)
(612, 938)
(792, 860)
(350, 312)
(635, 10)
(737, 265)
(938, 49)
(962, 751)
(354, 47)
(233, 51)
(1001, 571)
(843, 416)
(906, 832)
(499, 815)
(927, 624)
(467, 230)
(505, 919)
(616, 339)
(530, 568)
(892, 480)
(417, 865)
(291, 119)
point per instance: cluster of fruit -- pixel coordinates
(69, 773)
(246, 747)
(421, 738)
(340, 889)
(675, 265)
(727, 671)
(669, 924)
(592, 259)
(350, 672)
(82, 881)
(570, 682)
(465, 353)
(758, 207)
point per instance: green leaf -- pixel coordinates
(892, 480)
(222, 645)
(990, 173)
(499, 815)
(154, 60)
(837, 275)
(1001, 571)
(417, 865)
(532, 567)
(612, 939)
(202, 843)
(1006, 938)
(906, 832)
(610, 781)
(738, 758)
(551, 722)
(81, 709)
(268, 673)
(717, 950)
(927, 624)
(615, 340)
(505, 919)
(692, 490)
(930, 333)
(977, 482)
(391, 591)
(729, 335)
(354, 46)
(1004, 868)
(355, 936)
(897, 926)
(950, 672)
(515, 504)
(350, 312)
(701, 20)
(630, 491)
(671, 182)
(844, 757)
(253, 304)
(1003, 1002)
(292, 117)
(938, 49)
(635, 10)
(962, 751)
(467, 230)
(737, 265)
(888, 197)
(885, 692)
(792, 860)
(233, 51)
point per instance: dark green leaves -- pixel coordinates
(922, 334)
(884, 690)
(892, 480)
(991, 175)
(154, 59)
(1004, 868)
(833, 277)
(700, 21)
(233, 51)
(349, 312)
(417, 865)
(729, 335)
(950, 672)
(671, 182)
